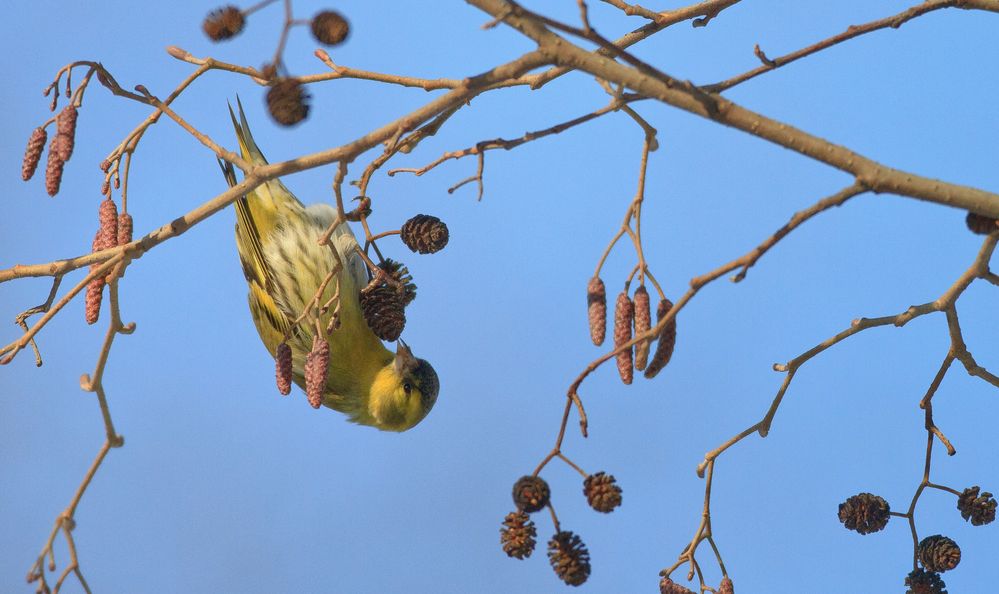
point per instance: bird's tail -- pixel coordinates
(269, 201)
(247, 146)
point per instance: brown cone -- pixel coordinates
(569, 558)
(980, 509)
(330, 28)
(864, 513)
(424, 234)
(531, 493)
(33, 152)
(316, 366)
(223, 23)
(596, 305)
(601, 492)
(384, 312)
(399, 272)
(643, 321)
(517, 536)
(288, 101)
(624, 312)
(981, 224)
(667, 340)
(939, 553)
(282, 363)
(920, 581)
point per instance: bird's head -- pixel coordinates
(403, 392)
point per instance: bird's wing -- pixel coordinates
(272, 323)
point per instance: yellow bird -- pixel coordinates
(276, 237)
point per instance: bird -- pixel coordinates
(284, 265)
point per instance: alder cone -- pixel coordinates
(864, 513)
(624, 312)
(980, 509)
(596, 305)
(602, 492)
(666, 342)
(531, 493)
(384, 310)
(517, 536)
(569, 558)
(920, 581)
(399, 272)
(981, 224)
(939, 553)
(330, 27)
(424, 234)
(643, 321)
(223, 23)
(288, 101)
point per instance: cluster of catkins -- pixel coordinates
(287, 99)
(631, 315)
(383, 302)
(866, 513)
(114, 230)
(60, 149)
(567, 553)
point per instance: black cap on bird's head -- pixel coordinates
(420, 372)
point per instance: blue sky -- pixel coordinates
(225, 486)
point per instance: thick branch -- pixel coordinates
(875, 176)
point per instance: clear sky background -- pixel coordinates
(224, 486)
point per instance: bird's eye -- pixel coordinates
(407, 387)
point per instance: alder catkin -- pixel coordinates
(54, 165)
(124, 228)
(666, 342)
(66, 127)
(33, 152)
(108, 216)
(316, 365)
(624, 312)
(282, 360)
(596, 305)
(95, 293)
(643, 321)
(95, 288)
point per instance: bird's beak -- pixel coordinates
(405, 362)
